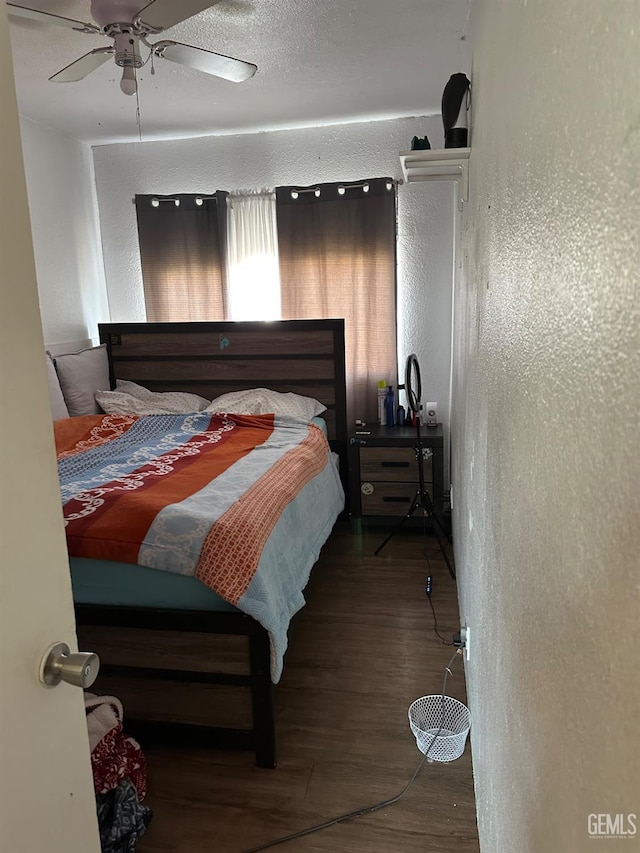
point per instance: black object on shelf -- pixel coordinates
(418, 144)
(455, 105)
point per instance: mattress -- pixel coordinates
(126, 585)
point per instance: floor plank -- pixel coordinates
(360, 652)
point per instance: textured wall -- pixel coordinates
(545, 421)
(340, 152)
(62, 208)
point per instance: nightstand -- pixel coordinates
(383, 471)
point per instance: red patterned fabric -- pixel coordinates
(117, 500)
(114, 755)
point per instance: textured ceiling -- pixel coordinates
(318, 62)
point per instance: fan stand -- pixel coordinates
(421, 499)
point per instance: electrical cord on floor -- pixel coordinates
(377, 806)
(428, 589)
(435, 618)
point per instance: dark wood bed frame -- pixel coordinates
(303, 356)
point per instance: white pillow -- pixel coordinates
(81, 374)
(58, 406)
(138, 391)
(132, 399)
(263, 401)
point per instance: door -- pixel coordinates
(46, 792)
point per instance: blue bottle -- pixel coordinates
(390, 406)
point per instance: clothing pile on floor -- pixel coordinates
(119, 776)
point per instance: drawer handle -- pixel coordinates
(396, 499)
(395, 464)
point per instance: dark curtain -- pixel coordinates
(182, 250)
(338, 259)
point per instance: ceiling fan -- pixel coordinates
(130, 26)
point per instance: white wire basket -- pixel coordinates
(440, 725)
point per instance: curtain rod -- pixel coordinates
(199, 199)
(251, 194)
(343, 187)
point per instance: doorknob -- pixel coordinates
(80, 669)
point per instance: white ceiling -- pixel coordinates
(318, 62)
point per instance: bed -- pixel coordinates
(186, 662)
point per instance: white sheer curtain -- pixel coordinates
(252, 255)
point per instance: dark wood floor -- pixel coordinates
(360, 652)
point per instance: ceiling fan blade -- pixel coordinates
(217, 64)
(162, 14)
(81, 67)
(47, 18)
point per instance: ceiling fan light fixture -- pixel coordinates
(128, 83)
(127, 48)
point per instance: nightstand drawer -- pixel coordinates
(392, 464)
(388, 498)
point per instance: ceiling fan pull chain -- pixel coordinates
(138, 116)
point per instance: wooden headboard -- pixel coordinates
(210, 359)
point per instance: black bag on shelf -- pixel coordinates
(455, 105)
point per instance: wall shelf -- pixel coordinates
(440, 164)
